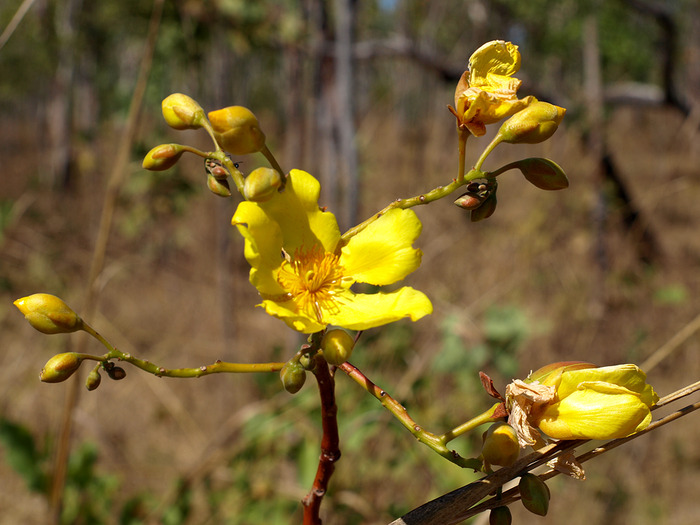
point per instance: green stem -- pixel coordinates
(463, 136)
(217, 367)
(399, 411)
(273, 162)
(495, 142)
(235, 173)
(486, 417)
(425, 198)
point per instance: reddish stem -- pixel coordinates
(330, 443)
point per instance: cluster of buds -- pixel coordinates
(235, 130)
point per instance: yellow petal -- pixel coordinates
(383, 253)
(263, 246)
(289, 313)
(594, 414)
(628, 376)
(363, 311)
(492, 65)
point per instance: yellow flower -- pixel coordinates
(487, 91)
(304, 273)
(580, 401)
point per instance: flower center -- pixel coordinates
(312, 278)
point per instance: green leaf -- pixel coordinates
(543, 173)
(23, 456)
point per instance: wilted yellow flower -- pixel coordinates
(580, 401)
(49, 314)
(304, 273)
(487, 91)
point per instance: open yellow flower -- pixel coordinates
(304, 273)
(581, 401)
(487, 91)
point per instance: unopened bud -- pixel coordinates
(218, 186)
(60, 367)
(162, 157)
(501, 445)
(500, 516)
(293, 376)
(337, 346)
(237, 130)
(534, 494)
(93, 380)
(49, 314)
(116, 372)
(536, 123)
(182, 112)
(261, 184)
(469, 201)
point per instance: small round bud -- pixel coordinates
(182, 112)
(60, 367)
(93, 380)
(49, 314)
(534, 494)
(337, 346)
(218, 186)
(534, 124)
(293, 376)
(162, 157)
(116, 372)
(237, 130)
(500, 516)
(501, 445)
(469, 201)
(261, 184)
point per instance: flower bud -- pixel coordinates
(237, 130)
(501, 445)
(261, 184)
(293, 376)
(60, 367)
(93, 380)
(116, 372)
(162, 157)
(534, 124)
(218, 186)
(500, 516)
(182, 112)
(469, 201)
(49, 314)
(337, 346)
(534, 494)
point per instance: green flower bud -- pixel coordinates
(501, 445)
(49, 314)
(60, 367)
(293, 376)
(534, 124)
(237, 130)
(261, 184)
(182, 112)
(534, 494)
(93, 380)
(162, 157)
(500, 516)
(337, 346)
(218, 186)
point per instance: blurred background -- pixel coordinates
(355, 93)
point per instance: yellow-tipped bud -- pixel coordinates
(261, 184)
(534, 494)
(501, 445)
(182, 112)
(536, 123)
(337, 346)
(237, 130)
(60, 367)
(49, 314)
(293, 376)
(218, 186)
(162, 157)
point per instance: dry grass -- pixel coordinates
(175, 292)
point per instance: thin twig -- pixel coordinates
(671, 345)
(16, 19)
(330, 443)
